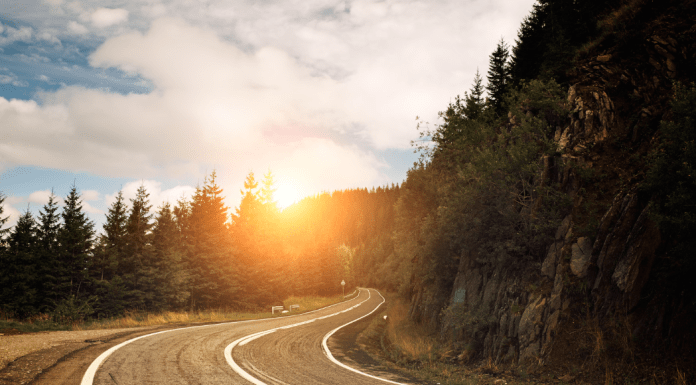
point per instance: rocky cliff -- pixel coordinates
(599, 283)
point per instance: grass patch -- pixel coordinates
(310, 303)
(139, 318)
(34, 324)
(401, 344)
(405, 346)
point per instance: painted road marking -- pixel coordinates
(335, 361)
(88, 378)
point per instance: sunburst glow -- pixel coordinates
(287, 192)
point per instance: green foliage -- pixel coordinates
(75, 237)
(671, 179)
(73, 309)
(474, 101)
(20, 280)
(498, 76)
(484, 193)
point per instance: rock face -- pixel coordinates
(512, 317)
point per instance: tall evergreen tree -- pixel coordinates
(47, 250)
(211, 261)
(528, 52)
(3, 232)
(498, 76)
(110, 286)
(135, 263)
(115, 225)
(267, 191)
(474, 102)
(167, 260)
(75, 237)
(249, 207)
(20, 285)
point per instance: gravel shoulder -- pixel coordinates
(23, 357)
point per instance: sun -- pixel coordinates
(287, 192)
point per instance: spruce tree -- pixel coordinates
(210, 259)
(115, 226)
(171, 276)
(106, 273)
(20, 284)
(75, 238)
(135, 263)
(474, 102)
(498, 76)
(3, 232)
(267, 191)
(47, 250)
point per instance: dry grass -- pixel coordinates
(680, 378)
(135, 319)
(409, 340)
(309, 303)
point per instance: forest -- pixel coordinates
(196, 254)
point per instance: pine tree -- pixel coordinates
(474, 102)
(75, 239)
(211, 263)
(20, 284)
(528, 52)
(47, 250)
(167, 258)
(106, 273)
(115, 226)
(248, 210)
(267, 191)
(3, 232)
(498, 76)
(135, 262)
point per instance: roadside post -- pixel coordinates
(343, 286)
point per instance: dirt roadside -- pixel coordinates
(58, 357)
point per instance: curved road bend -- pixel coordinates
(291, 355)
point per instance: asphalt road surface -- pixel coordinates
(286, 350)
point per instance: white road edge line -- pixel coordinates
(251, 337)
(91, 372)
(335, 361)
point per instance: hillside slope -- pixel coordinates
(612, 295)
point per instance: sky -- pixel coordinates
(111, 95)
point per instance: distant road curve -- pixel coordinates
(287, 350)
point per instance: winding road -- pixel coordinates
(284, 350)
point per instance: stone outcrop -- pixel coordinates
(512, 317)
(512, 312)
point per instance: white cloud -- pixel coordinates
(41, 197)
(12, 200)
(13, 79)
(90, 195)
(154, 188)
(106, 17)
(49, 37)
(53, 3)
(8, 211)
(76, 28)
(12, 35)
(90, 209)
(294, 86)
